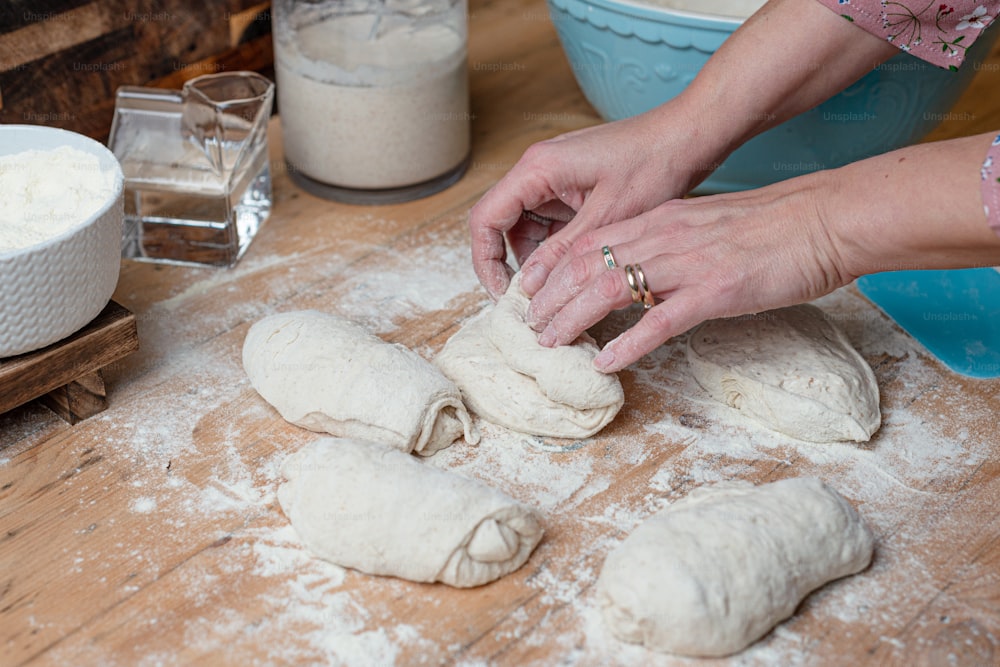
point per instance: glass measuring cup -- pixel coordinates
(197, 175)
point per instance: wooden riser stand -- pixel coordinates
(66, 376)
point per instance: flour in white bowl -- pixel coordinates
(46, 192)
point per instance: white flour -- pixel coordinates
(45, 193)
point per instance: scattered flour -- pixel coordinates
(234, 471)
(510, 462)
(382, 301)
(265, 590)
(45, 193)
(143, 505)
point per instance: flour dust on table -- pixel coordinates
(790, 369)
(508, 378)
(329, 374)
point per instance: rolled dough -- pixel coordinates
(507, 378)
(790, 369)
(715, 571)
(373, 508)
(328, 374)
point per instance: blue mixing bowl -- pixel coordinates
(629, 58)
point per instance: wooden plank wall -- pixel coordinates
(61, 61)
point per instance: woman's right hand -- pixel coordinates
(788, 57)
(594, 176)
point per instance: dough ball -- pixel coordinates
(328, 374)
(715, 571)
(791, 370)
(507, 378)
(373, 508)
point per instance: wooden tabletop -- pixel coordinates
(150, 533)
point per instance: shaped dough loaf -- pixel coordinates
(791, 370)
(328, 374)
(507, 378)
(373, 508)
(718, 569)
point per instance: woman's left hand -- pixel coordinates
(702, 258)
(725, 255)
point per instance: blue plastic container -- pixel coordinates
(629, 58)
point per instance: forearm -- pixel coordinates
(786, 59)
(920, 207)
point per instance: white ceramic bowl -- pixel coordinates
(52, 289)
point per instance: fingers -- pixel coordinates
(487, 224)
(525, 236)
(529, 233)
(563, 287)
(670, 318)
(555, 211)
(496, 213)
(489, 258)
(580, 294)
(576, 274)
(680, 310)
(609, 291)
(531, 185)
(536, 270)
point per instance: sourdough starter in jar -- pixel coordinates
(373, 102)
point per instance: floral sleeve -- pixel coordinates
(935, 31)
(991, 185)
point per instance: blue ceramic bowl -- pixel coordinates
(629, 58)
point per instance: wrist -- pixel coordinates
(915, 208)
(773, 68)
(690, 139)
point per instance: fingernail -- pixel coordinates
(604, 359)
(547, 338)
(532, 278)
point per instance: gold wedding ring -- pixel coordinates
(633, 284)
(609, 259)
(638, 286)
(647, 294)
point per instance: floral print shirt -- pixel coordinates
(940, 33)
(991, 185)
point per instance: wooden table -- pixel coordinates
(150, 533)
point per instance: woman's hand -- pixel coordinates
(702, 258)
(593, 177)
(733, 254)
(788, 57)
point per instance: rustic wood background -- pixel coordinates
(62, 60)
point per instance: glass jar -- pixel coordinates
(373, 96)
